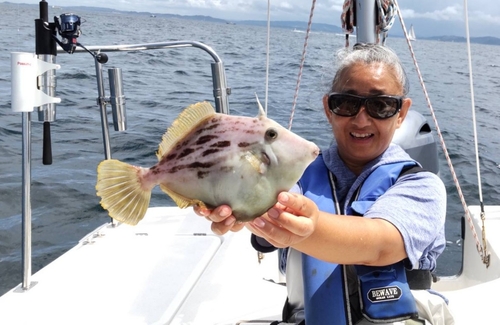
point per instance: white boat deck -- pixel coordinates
(170, 269)
(471, 293)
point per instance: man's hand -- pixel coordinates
(289, 222)
(221, 217)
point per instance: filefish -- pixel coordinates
(209, 159)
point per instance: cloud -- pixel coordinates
(478, 16)
(483, 13)
(453, 13)
(449, 13)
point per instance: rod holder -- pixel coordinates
(117, 99)
(25, 69)
(47, 84)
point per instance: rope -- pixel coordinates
(267, 52)
(386, 17)
(299, 77)
(484, 255)
(347, 19)
(480, 248)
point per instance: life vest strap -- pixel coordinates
(419, 279)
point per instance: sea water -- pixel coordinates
(159, 84)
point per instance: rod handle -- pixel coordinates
(47, 145)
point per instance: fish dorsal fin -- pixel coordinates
(183, 125)
(261, 110)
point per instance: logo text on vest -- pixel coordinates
(384, 294)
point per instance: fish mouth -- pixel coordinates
(265, 159)
(316, 151)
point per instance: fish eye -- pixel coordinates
(271, 134)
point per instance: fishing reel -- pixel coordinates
(68, 27)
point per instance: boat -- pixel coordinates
(411, 34)
(171, 268)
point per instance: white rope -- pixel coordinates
(267, 52)
(469, 56)
(308, 31)
(480, 248)
(484, 254)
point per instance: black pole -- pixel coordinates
(45, 42)
(45, 45)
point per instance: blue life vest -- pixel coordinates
(385, 294)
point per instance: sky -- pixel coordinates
(429, 17)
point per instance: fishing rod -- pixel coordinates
(68, 27)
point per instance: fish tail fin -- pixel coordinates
(121, 191)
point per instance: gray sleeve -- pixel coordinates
(416, 206)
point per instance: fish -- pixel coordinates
(209, 159)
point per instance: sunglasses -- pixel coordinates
(379, 107)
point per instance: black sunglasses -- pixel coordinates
(379, 107)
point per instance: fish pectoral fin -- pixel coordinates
(119, 186)
(259, 166)
(181, 201)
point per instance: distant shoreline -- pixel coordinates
(292, 25)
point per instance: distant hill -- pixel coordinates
(318, 27)
(328, 28)
(299, 25)
(151, 14)
(481, 40)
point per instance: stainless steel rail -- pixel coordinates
(220, 91)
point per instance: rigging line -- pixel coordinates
(469, 57)
(302, 60)
(267, 52)
(476, 149)
(481, 250)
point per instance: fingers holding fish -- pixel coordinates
(276, 234)
(219, 214)
(221, 217)
(230, 224)
(291, 221)
(298, 205)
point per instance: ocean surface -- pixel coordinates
(158, 84)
